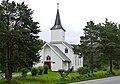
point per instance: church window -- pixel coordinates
(75, 60)
(48, 58)
(66, 50)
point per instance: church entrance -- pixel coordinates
(48, 63)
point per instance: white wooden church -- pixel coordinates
(58, 54)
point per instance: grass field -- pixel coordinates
(50, 78)
(55, 78)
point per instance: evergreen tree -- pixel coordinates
(89, 43)
(18, 36)
(109, 38)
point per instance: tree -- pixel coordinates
(89, 43)
(19, 39)
(109, 38)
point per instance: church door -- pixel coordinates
(48, 61)
(49, 64)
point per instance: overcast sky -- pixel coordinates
(74, 15)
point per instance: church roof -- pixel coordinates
(67, 44)
(57, 24)
(59, 52)
(61, 42)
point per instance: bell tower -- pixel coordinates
(57, 31)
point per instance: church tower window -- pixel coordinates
(66, 50)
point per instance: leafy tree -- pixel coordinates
(18, 36)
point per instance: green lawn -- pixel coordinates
(55, 78)
(50, 78)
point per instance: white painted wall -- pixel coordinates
(57, 35)
(47, 51)
(58, 62)
(78, 62)
(54, 58)
(70, 53)
(65, 65)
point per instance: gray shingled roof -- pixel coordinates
(60, 42)
(67, 44)
(63, 56)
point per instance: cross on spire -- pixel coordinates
(58, 6)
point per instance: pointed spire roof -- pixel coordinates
(57, 24)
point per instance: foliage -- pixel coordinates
(24, 72)
(2, 62)
(95, 69)
(18, 28)
(54, 78)
(34, 71)
(63, 73)
(100, 45)
(89, 45)
(40, 70)
(76, 49)
(82, 70)
(45, 69)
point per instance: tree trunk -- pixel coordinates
(8, 72)
(111, 64)
(91, 63)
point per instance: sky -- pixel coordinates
(74, 15)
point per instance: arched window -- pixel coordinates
(48, 58)
(66, 50)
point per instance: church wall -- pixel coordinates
(78, 62)
(65, 65)
(57, 62)
(57, 35)
(70, 54)
(47, 52)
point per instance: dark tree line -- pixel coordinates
(100, 45)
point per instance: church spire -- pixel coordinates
(57, 24)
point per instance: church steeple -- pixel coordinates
(57, 24)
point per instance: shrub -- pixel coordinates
(45, 69)
(24, 72)
(110, 73)
(95, 70)
(63, 73)
(67, 72)
(40, 70)
(82, 70)
(104, 69)
(34, 71)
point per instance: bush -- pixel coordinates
(34, 71)
(45, 69)
(95, 70)
(40, 70)
(24, 72)
(63, 73)
(82, 70)
(111, 73)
